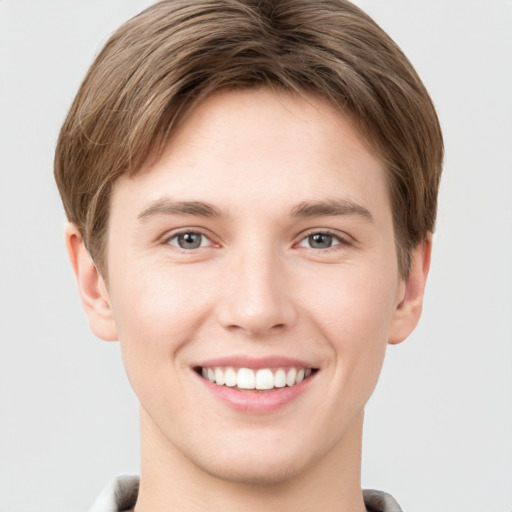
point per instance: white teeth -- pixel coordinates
(219, 376)
(230, 377)
(245, 379)
(290, 377)
(280, 379)
(262, 379)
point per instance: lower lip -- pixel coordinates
(257, 402)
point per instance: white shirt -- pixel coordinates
(121, 494)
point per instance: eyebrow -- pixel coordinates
(170, 207)
(331, 207)
(305, 209)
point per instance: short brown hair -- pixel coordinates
(157, 66)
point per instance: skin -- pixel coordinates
(255, 287)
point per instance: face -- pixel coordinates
(254, 285)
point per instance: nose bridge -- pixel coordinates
(255, 297)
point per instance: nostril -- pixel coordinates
(257, 314)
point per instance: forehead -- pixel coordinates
(259, 147)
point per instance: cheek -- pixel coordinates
(356, 307)
(355, 317)
(156, 312)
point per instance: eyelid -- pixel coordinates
(169, 235)
(343, 238)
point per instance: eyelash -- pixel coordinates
(167, 240)
(340, 240)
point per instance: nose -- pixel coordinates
(255, 297)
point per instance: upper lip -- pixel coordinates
(255, 363)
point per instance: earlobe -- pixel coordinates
(92, 288)
(408, 309)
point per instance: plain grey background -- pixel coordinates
(438, 429)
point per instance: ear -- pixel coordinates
(410, 302)
(92, 288)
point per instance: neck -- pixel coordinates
(170, 481)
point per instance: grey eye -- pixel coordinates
(320, 241)
(188, 240)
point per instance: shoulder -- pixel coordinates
(119, 495)
(378, 501)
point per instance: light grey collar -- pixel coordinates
(121, 494)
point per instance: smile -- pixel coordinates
(263, 379)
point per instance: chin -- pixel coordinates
(257, 466)
(263, 472)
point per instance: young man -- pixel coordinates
(251, 188)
